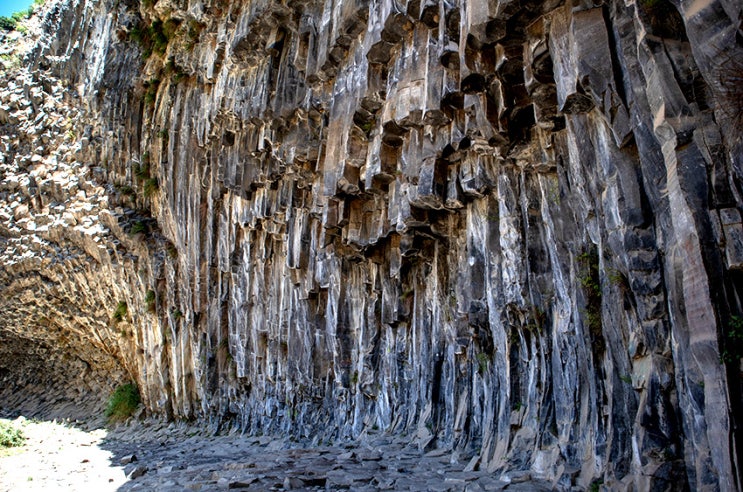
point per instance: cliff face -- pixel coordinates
(509, 228)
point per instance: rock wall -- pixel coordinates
(509, 228)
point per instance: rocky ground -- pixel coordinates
(170, 457)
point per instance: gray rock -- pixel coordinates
(136, 472)
(130, 458)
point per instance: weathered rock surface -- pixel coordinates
(508, 229)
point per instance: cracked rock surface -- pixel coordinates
(509, 230)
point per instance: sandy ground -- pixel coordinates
(58, 456)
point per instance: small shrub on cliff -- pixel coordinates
(10, 435)
(120, 312)
(589, 279)
(124, 189)
(150, 187)
(142, 170)
(733, 351)
(123, 402)
(138, 227)
(172, 251)
(150, 94)
(159, 39)
(7, 23)
(174, 71)
(194, 31)
(149, 299)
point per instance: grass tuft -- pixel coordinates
(123, 402)
(150, 299)
(151, 186)
(120, 312)
(10, 435)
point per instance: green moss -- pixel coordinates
(123, 402)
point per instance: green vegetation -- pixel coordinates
(123, 402)
(194, 31)
(627, 379)
(124, 189)
(733, 351)
(174, 71)
(138, 227)
(151, 186)
(619, 279)
(149, 299)
(163, 134)
(595, 485)
(11, 23)
(142, 170)
(10, 62)
(155, 37)
(589, 280)
(120, 312)
(10, 435)
(367, 127)
(482, 362)
(171, 250)
(150, 91)
(158, 36)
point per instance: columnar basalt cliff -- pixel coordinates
(508, 228)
